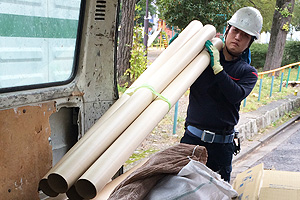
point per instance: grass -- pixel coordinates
(137, 155)
(252, 102)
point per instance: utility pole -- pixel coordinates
(146, 25)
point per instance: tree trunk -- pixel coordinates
(125, 38)
(278, 34)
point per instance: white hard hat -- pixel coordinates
(247, 19)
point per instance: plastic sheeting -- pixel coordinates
(194, 181)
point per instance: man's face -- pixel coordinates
(237, 41)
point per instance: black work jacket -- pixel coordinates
(215, 100)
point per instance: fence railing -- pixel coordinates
(273, 73)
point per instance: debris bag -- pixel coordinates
(194, 181)
(170, 161)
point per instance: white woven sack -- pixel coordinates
(194, 181)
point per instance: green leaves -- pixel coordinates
(259, 52)
(138, 61)
(284, 11)
(181, 12)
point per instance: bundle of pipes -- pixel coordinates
(186, 34)
(94, 159)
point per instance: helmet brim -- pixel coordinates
(256, 35)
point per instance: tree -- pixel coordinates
(280, 27)
(181, 12)
(125, 38)
(142, 12)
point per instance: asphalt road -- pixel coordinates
(280, 152)
(285, 156)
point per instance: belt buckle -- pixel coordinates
(208, 136)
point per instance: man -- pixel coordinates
(215, 97)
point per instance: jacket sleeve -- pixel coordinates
(237, 90)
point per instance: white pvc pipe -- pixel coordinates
(68, 172)
(95, 178)
(183, 37)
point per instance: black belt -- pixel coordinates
(210, 137)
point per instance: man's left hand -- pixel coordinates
(214, 57)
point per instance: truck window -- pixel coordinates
(37, 42)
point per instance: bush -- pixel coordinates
(291, 52)
(258, 55)
(259, 52)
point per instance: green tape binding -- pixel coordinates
(153, 92)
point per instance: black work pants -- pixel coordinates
(219, 155)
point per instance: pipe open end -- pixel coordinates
(57, 183)
(86, 189)
(46, 189)
(73, 194)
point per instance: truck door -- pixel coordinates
(57, 78)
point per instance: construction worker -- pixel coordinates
(215, 97)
